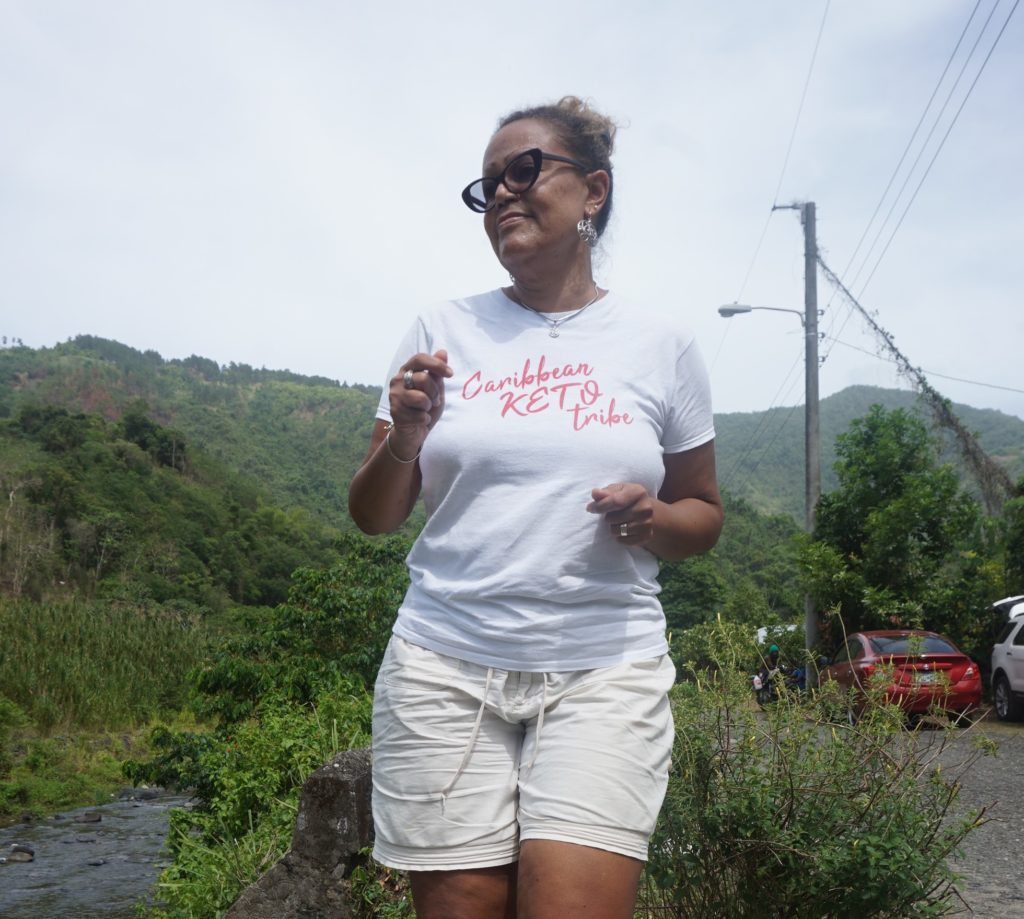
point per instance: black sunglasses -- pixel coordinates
(518, 177)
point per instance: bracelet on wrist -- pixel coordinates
(395, 456)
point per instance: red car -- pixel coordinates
(927, 671)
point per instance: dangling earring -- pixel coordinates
(586, 230)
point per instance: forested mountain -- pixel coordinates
(761, 454)
(130, 511)
(301, 438)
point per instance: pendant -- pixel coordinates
(554, 332)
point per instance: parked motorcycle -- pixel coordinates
(770, 682)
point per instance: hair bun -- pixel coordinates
(601, 127)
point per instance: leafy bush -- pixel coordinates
(781, 813)
(247, 778)
(210, 869)
(711, 645)
(287, 694)
(336, 623)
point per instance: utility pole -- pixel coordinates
(812, 429)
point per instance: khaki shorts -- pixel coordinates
(468, 762)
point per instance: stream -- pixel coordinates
(83, 870)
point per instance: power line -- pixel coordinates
(917, 128)
(800, 107)
(789, 150)
(942, 143)
(993, 480)
(752, 441)
(721, 344)
(899, 165)
(932, 373)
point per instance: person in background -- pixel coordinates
(775, 674)
(562, 441)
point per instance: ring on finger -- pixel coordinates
(407, 379)
(623, 529)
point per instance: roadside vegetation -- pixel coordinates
(792, 811)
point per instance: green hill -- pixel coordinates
(132, 511)
(299, 439)
(761, 454)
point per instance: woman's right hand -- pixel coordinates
(416, 396)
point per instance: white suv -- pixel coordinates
(1008, 662)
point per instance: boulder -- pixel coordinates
(334, 824)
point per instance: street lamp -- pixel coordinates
(812, 438)
(735, 309)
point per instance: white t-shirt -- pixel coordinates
(510, 570)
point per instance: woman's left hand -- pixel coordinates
(628, 510)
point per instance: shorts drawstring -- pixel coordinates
(540, 720)
(472, 741)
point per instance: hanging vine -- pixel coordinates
(994, 482)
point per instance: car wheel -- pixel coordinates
(1008, 708)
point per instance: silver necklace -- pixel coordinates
(555, 324)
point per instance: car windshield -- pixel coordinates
(910, 644)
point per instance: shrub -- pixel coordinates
(287, 694)
(711, 645)
(336, 624)
(781, 813)
(246, 777)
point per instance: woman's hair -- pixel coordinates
(587, 134)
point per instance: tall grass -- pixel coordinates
(79, 664)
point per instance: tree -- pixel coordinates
(1013, 520)
(749, 577)
(898, 544)
(335, 625)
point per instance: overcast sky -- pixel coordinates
(277, 183)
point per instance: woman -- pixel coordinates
(561, 442)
